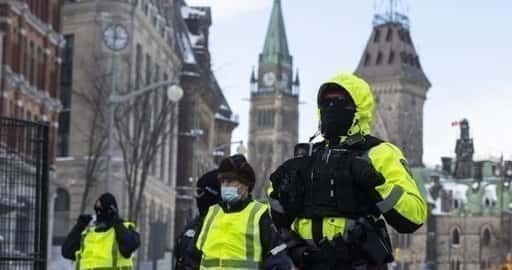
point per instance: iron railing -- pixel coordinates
(23, 194)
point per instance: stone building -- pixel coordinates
(274, 111)
(391, 65)
(206, 120)
(150, 56)
(468, 226)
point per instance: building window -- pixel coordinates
(389, 35)
(66, 88)
(486, 237)
(379, 58)
(457, 203)
(367, 59)
(376, 37)
(455, 264)
(455, 237)
(391, 58)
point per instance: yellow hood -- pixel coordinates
(362, 95)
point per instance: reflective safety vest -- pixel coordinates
(99, 251)
(232, 240)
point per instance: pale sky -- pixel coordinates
(464, 47)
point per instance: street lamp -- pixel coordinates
(174, 94)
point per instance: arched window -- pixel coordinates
(455, 237)
(486, 237)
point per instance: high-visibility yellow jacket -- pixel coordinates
(402, 204)
(231, 240)
(99, 251)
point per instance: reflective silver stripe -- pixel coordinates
(215, 262)
(388, 203)
(208, 223)
(276, 205)
(249, 241)
(278, 249)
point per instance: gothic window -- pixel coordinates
(391, 58)
(389, 35)
(367, 59)
(376, 38)
(455, 237)
(379, 58)
(486, 237)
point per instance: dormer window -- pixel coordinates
(457, 204)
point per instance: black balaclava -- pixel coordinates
(106, 209)
(208, 192)
(337, 110)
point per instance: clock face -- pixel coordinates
(116, 37)
(269, 78)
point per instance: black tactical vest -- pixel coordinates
(329, 188)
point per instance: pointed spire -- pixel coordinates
(276, 44)
(296, 82)
(253, 76)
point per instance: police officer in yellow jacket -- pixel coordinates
(329, 203)
(106, 244)
(237, 233)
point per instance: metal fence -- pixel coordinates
(23, 194)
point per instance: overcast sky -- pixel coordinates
(464, 46)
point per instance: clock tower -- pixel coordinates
(274, 114)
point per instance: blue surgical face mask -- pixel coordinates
(230, 194)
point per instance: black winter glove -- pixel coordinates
(84, 219)
(365, 174)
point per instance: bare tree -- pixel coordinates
(94, 97)
(143, 126)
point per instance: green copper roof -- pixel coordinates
(276, 44)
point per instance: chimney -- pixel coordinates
(447, 165)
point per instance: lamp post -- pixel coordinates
(174, 94)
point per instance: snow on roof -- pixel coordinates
(490, 192)
(224, 118)
(187, 12)
(458, 190)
